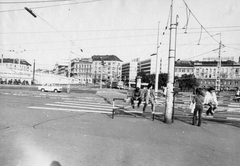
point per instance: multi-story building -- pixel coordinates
(82, 69)
(61, 69)
(129, 71)
(183, 67)
(14, 64)
(13, 70)
(111, 70)
(206, 72)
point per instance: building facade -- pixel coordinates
(14, 64)
(206, 72)
(129, 71)
(14, 71)
(183, 67)
(82, 70)
(61, 69)
(111, 70)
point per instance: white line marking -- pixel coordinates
(75, 110)
(133, 111)
(54, 95)
(86, 104)
(89, 107)
(231, 118)
(83, 102)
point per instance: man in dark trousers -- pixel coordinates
(136, 95)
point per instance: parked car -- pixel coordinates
(50, 88)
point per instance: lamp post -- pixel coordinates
(157, 63)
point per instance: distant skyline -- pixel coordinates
(125, 28)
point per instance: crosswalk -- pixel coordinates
(91, 105)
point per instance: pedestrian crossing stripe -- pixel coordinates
(83, 102)
(87, 100)
(69, 109)
(55, 95)
(82, 107)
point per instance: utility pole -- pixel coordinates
(157, 63)
(69, 70)
(171, 66)
(218, 81)
(2, 59)
(102, 63)
(33, 72)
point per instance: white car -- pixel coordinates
(50, 87)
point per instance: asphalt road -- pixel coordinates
(36, 131)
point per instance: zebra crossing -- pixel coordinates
(91, 105)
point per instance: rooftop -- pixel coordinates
(105, 58)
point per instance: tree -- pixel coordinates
(162, 80)
(145, 77)
(187, 81)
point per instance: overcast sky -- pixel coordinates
(125, 28)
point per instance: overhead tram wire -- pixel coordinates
(40, 7)
(112, 30)
(199, 22)
(48, 1)
(71, 41)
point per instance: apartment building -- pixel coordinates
(206, 72)
(183, 67)
(82, 70)
(110, 70)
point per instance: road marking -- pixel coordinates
(69, 110)
(232, 118)
(54, 95)
(86, 104)
(88, 107)
(84, 101)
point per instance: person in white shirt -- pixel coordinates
(211, 100)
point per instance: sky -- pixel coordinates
(125, 28)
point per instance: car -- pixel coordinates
(50, 88)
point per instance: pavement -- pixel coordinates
(131, 138)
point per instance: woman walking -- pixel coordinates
(149, 97)
(198, 99)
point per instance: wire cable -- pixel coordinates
(21, 2)
(199, 22)
(87, 1)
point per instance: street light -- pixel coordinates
(30, 11)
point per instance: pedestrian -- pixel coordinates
(149, 97)
(211, 100)
(237, 94)
(136, 95)
(198, 99)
